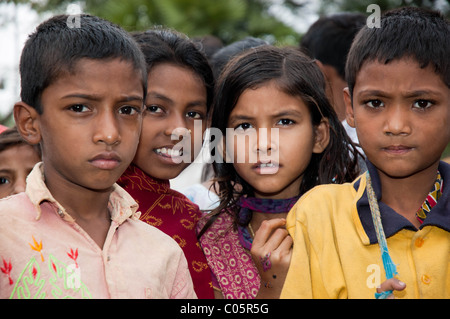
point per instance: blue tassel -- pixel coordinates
(389, 266)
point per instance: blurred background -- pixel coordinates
(280, 22)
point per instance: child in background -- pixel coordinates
(74, 233)
(268, 88)
(17, 159)
(328, 41)
(180, 88)
(387, 234)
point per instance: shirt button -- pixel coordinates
(419, 242)
(426, 279)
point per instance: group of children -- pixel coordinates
(307, 218)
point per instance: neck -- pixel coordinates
(406, 195)
(279, 210)
(258, 218)
(88, 207)
(80, 202)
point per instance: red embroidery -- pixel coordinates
(34, 272)
(73, 255)
(6, 269)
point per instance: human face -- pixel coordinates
(16, 162)
(176, 98)
(401, 113)
(267, 107)
(90, 125)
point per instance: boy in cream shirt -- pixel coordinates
(74, 233)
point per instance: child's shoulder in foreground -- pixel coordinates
(38, 239)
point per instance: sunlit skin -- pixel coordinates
(176, 98)
(401, 113)
(89, 131)
(267, 107)
(16, 162)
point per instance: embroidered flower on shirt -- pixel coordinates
(6, 269)
(37, 247)
(73, 255)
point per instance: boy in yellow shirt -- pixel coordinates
(387, 234)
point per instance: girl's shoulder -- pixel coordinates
(220, 227)
(222, 220)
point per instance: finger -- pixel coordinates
(274, 241)
(265, 231)
(286, 244)
(391, 284)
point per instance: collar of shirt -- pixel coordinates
(393, 222)
(121, 204)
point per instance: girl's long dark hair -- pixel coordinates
(296, 75)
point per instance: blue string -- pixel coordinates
(389, 266)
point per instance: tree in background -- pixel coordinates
(229, 20)
(330, 6)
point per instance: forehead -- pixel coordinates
(267, 100)
(16, 154)
(168, 74)
(175, 83)
(403, 74)
(112, 78)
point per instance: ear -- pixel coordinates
(349, 108)
(322, 136)
(27, 122)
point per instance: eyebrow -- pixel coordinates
(169, 100)
(239, 117)
(420, 93)
(288, 113)
(410, 94)
(93, 97)
(159, 96)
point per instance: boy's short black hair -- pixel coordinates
(161, 45)
(58, 43)
(421, 34)
(330, 37)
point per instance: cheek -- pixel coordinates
(149, 131)
(242, 170)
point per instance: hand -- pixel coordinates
(273, 238)
(391, 285)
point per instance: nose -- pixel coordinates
(267, 140)
(397, 121)
(107, 128)
(176, 126)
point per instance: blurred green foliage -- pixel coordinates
(229, 20)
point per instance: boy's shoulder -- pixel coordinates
(328, 193)
(150, 236)
(17, 206)
(327, 203)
